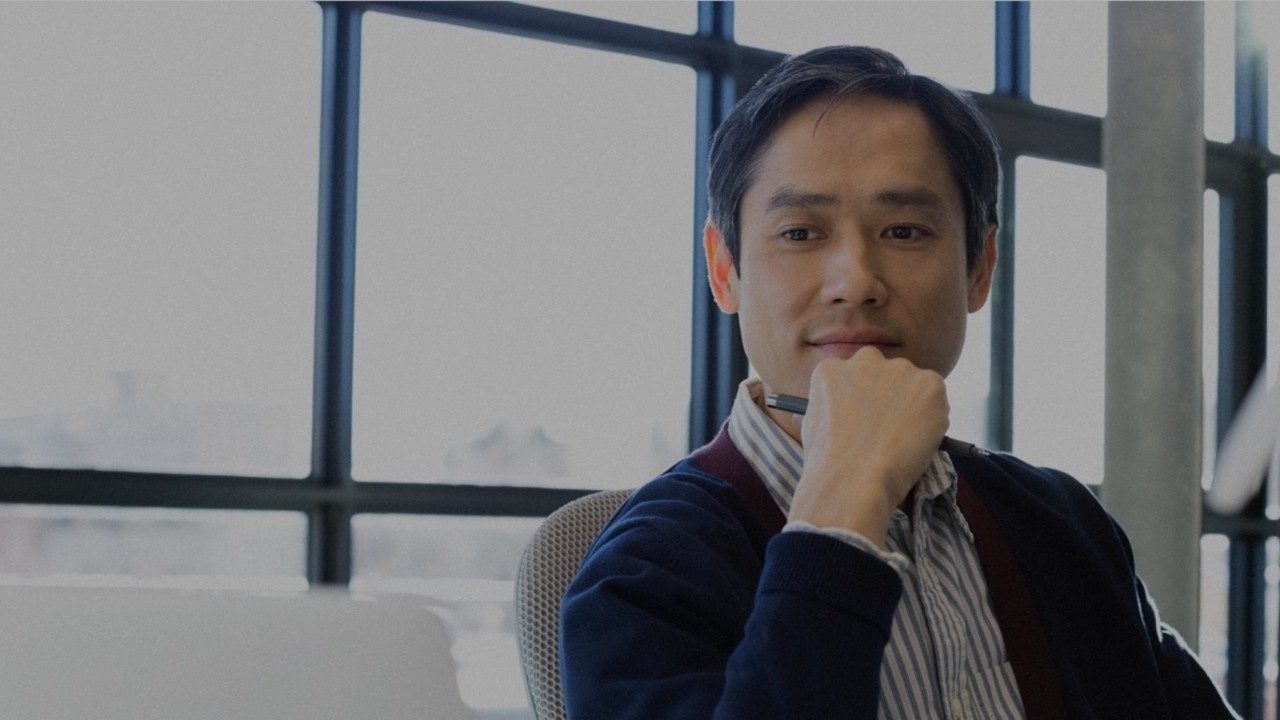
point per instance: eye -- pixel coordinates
(904, 232)
(798, 235)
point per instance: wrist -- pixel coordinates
(861, 504)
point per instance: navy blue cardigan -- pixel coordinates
(691, 604)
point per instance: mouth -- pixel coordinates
(844, 342)
(846, 350)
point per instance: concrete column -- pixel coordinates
(1153, 153)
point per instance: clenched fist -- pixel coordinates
(872, 426)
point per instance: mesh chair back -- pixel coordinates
(549, 563)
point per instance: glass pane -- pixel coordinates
(1220, 71)
(524, 279)
(1060, 288)
(159, 547)
(953, 42)
(158, 196)
(970, 382)
(1215, 571)
(1209, 338)
(467, 566)
(1069, 55)
(665, 14)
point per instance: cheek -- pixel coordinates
(776, 315)
(938, 301)
(950, 308)
(782, 289)
(769, 313)
(946, 314)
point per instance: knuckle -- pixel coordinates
(934, 381)
(900, 369)
(869, 354)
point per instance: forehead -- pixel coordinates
(854, 148)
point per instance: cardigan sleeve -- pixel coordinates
(1188, 688)
(1190, 693)
(672, 616)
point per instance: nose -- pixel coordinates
(852, 274)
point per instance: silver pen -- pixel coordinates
(798, 405)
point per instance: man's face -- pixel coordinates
(852, 234)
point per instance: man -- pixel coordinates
(838, 564)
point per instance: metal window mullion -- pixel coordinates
(563, 27)
(1241, 342)
(1013, 80)
(122, 488)
(718, 360)
(1000, 398)
(329, 527)
(1236, 525)
(1013, 48)
(493, 501)
(1241, 353)
(1242, 334)
(1246, 609)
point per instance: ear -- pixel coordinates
(720, 270)
(983, 270)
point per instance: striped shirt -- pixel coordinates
(945, 658)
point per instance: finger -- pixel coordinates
(796, 423)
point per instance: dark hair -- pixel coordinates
(839, 71)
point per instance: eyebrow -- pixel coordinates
(918, 197)
(921, 197)
(791, 198)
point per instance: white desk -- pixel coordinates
(101, 653)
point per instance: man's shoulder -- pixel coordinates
(998, 477)
(684, 503)
(1047, 515)
(681, 489)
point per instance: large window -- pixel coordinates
(512, 330)
(356, 294)
(1060, 275)
(159, 236)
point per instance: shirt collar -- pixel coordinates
(778, 459)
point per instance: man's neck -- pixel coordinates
(905, 505)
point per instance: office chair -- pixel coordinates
(549, 563)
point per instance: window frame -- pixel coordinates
(329, 496)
